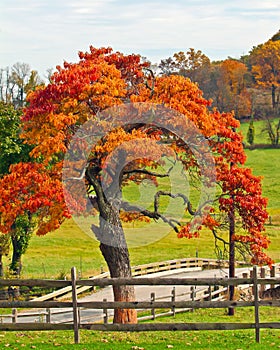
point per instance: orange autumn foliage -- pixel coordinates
(28, 188)
(101, 79)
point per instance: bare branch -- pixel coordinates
(100, 197)
(176, 195)
(153, 81)
(77, 178)
(151, 214)
(218, 250)
(146, 172)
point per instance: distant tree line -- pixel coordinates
(16, 81)
(249, 86)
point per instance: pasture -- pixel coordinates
(202, 340)
(53, 255)
(261, 136)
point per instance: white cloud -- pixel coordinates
(45, 32)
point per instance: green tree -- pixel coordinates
(4, 250)
(251, 133)
(193, 64)
(13, 150)
(20, 237)
(272, 130)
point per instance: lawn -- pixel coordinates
(211, 340)
(53, 255)
(266, 163)
(261, 136)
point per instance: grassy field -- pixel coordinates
(261, 136)
(202, 340)
(266, 163)
(53, 255)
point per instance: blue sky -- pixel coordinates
(44, 33)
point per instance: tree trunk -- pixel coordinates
(16, 265)
(117, 259)
(115, 252)
(231, 258)
(273, 99)
(1, 266)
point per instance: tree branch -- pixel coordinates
(100, 197)
(151, 214)
(217, 248)
(177, 195)
(152, 87)
(77, 178)
(146, 172)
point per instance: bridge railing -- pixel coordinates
(146, 269)
(208, 302)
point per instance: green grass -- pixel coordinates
(53, 255)
(212, 340)
(266, 163)
(261, 136)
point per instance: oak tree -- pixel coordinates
(139, 123)
(265, 60)
(12, 151)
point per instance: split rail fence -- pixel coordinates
(256, 282)
(168, 266)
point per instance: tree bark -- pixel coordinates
(117, 259)
(16, 265)
(115, 252)
(273, 99)
(231, 258)
(1, 266)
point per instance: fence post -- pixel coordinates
(272, 274)
(153, 298)
(105, 313)
(193, 295)
(75, 306)
(262, 286)
(48, 315)
(14, 315)
(209, 298)
(256, 304)
(173, 300)
(251, 276)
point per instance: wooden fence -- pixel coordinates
(146, 269)
(208, 301)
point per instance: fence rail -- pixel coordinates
(210, 299)
(142, 270)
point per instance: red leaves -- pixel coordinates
(210, 222)
(103, 78)
(242, 192)
(28, 188)
(257, 243)
(187, 232)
